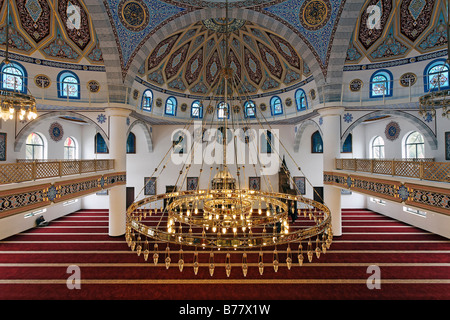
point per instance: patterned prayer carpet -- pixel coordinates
(412, 264)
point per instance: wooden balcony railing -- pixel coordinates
(27, 170)
(424, 169)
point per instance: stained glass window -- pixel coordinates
(381, 84)
(437, 75)
(300, 100)
(13, 77)
(276, 106)
(197, 109)
(250, 109)
(171, 106)
(68, 85)
(147, 99)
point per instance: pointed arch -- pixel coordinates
(30, 126)
(428, 134)
(301, 129)
(146, 130)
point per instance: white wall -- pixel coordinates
(142, 164)
(19, 223)
(434, 222)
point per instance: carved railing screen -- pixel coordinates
(425, 169)
(27, 170)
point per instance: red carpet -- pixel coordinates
(414, 264)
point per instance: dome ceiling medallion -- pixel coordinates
(191, 60)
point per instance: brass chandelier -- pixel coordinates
(227, 221)
(12, 100)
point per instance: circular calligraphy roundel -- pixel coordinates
(392, 130)
(56, 131)
(133, 14)
(315, 14)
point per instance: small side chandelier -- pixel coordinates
(13, 100)
(435, 100)
(438, 96)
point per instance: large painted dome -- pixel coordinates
(190, 60)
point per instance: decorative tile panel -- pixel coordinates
(24, 199)
(436, 199)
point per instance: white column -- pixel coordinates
(118, 152)
(331, 137)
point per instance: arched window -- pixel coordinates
(377, 148)
(436, 76)
(34, 148)
(68, 85)
(415, 146)
(300, 100)
(70, 149)
(222, 110)
(147, 100)
(14, 77)
(276, 106)
(100, 144)
(266, 141)
(197, 109)
(171, 106)
(179, 142)
(316, 142)
(347, 146)
(131, 143)
(381, 84)
(249, 109)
